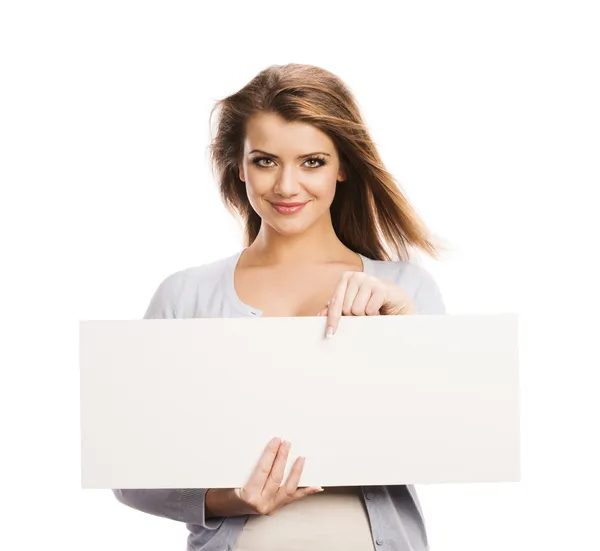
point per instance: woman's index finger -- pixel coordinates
(334, 312)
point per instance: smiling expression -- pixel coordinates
(291, 170)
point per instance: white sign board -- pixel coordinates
(191, 403)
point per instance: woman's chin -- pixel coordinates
(289, 227)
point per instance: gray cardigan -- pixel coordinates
(395, 514)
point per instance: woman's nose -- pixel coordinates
(287, 182)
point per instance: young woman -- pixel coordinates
(327, 233)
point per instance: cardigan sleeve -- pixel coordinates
(182, 504)
(428, 300)
(428, 297)
(165, 303)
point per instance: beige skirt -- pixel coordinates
(333, 519)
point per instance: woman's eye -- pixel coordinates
(318, 162)
(260, 160)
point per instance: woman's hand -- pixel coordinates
(359, 294)
(263, 493)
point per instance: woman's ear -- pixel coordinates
(241, 172)
(341, 175)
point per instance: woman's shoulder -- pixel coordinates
(188, 287)
(407, 272)
(415, 279)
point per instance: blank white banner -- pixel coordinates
(191, 403)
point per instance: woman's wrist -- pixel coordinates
(225, 502)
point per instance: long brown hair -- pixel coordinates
(369, 212)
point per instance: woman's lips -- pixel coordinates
(288, 208)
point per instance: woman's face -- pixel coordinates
(290, 170)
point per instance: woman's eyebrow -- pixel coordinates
(298, 157)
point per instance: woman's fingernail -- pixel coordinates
(329, 333)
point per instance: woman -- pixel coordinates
(321, 214)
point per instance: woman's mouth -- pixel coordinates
(288, 208)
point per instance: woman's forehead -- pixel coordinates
(268, 131)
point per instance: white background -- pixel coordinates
(488, 115)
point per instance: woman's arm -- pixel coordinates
(221, 502)
(203, 506)
(184, 505)
(263, 494)
(428, 298)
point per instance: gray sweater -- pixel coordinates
(207, 291)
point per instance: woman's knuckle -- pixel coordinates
(277, 478)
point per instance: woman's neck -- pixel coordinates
(310, 247)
